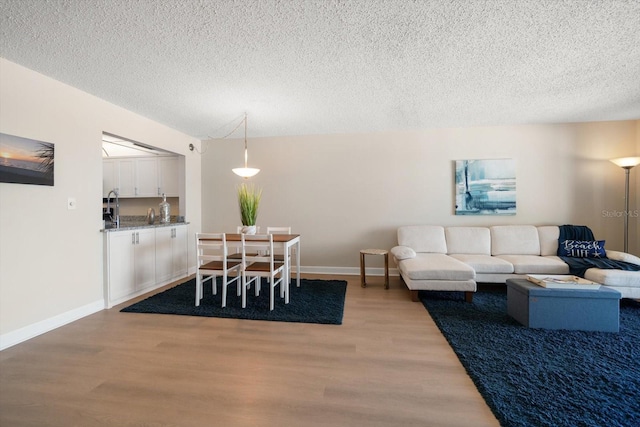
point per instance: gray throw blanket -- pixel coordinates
(578, 266)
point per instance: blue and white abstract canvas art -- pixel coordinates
(485, 187)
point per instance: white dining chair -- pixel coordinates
(279, 255)
(237, 255)
(258, 262)
(213, 261)
(278, 230)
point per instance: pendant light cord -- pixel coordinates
(244, 120)
(246, 171)
(246, 151)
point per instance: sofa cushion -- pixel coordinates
(623, 256)
(435, 267)
(582, 249)
(402, 252)
(423, 238)
(611, 277)
(468, 240)
(548, 236)
(514, 240)
(484, 264)
(533, 264)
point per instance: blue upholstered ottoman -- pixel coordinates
(585, 310)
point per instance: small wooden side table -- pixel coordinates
(383, 252)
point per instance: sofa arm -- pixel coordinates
(403, 252)
(623, 256)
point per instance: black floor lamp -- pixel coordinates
(626, 163)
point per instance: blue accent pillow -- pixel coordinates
(582, 249)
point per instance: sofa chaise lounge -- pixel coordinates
(437, 258)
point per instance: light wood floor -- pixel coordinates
(386, 365)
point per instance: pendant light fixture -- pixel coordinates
(245, 172)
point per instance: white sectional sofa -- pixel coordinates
(457, 258)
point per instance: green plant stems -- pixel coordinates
(249, 201)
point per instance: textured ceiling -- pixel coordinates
(336, 66)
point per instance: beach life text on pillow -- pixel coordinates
(582, 249)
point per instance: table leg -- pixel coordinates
(286, 291)
(284, 288)
(386, 271)
(298, 264)
(362, 270)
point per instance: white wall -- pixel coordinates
(344, 193)
(51, 257)
(601, 182)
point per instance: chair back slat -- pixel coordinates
(211, 247)
(278, 230)
(257, 248)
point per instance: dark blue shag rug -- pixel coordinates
(537, 377)
(315, 301)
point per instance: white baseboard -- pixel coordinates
(348, 271)
(23, 334)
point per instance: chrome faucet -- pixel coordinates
(114, 219)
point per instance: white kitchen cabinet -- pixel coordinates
(164, 253)
(127, 178)
(169, 176)
(171, 253)
(118, 174)
(119, 266)
(180, 251)
(130, 264)
(140, 260)
(145, 258)
(147, 177)
(142, 176)
(110, 176)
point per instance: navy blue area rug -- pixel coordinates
(315, 301)
(538, 377)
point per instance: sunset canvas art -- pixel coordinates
(26, 161)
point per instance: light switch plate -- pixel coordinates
(71, 203)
